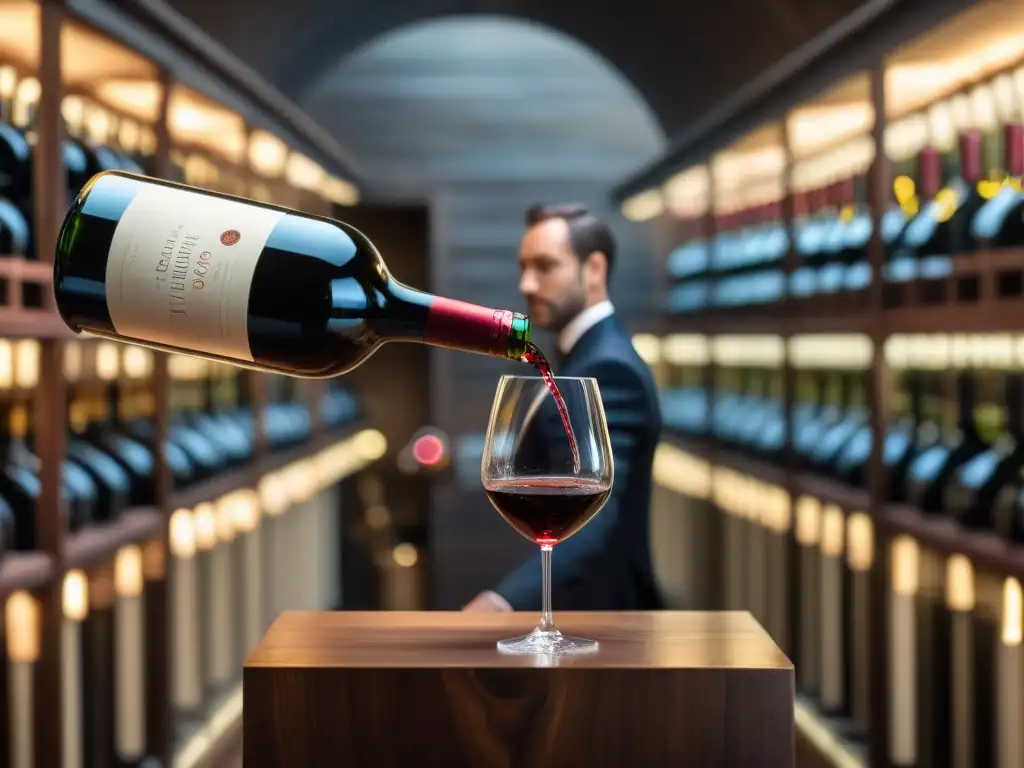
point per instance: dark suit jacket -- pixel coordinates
(607, 564)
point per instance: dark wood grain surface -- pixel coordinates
(429, 688)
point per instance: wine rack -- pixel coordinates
(896, 591)
(152, 568)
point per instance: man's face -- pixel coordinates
(551, 277)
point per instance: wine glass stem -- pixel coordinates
(546, 621)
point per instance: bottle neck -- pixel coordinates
(423, 317)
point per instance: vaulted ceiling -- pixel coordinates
(681, 56)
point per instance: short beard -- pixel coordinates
(567, 311)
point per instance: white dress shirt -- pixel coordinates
(582, 323)
(567, 339)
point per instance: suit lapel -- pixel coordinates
(589, 343)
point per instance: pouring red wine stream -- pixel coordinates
(536, 358)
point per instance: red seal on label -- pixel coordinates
(230, 237)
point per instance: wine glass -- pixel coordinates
(547, 468)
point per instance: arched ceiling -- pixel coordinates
(485, 115)
(483, 99)
(682, 57)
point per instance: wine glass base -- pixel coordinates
(549, 642)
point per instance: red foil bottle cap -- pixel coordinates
(460, 325)
(929, 173)
(1014, 135)
(970, 156)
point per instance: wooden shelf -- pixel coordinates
(19, 321)
(987, 551)
(969, 300)
(24, 570)
(33, 323)
(100, 542)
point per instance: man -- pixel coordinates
(565, 259)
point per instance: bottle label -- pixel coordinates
(180, 267)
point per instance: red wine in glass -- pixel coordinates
(547, 510)
(536, 358)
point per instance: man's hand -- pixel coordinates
(487, 602)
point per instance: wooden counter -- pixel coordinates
(429, 688)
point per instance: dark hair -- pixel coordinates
(587, 233)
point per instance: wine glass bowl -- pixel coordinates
(547, 469)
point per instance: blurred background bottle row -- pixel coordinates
(841, 366)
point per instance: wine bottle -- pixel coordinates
(188, 399)
(810, 243)
(15, 156)
(15, 170)
(851, 463)
(754, 412)
(132, 456)
(816, 423)
(200, 455)
(186, 270)
(20, 488)
(932, 468)
(942, 229)
(684, 404)
(82, 493)
(921, 237)
(730, 402)
(19, 478)
(763, 280)
(689, 267)
(119, 437)
(802, 280)
(689, 259)
(971, 494)
(810, 397)
(926, 388)
(112, 481)
(1000, 221)
(902, 436)
(855, 237)
(900, 264)
(854, 414)
(216, 425)
(832, 274)
(770, 436)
